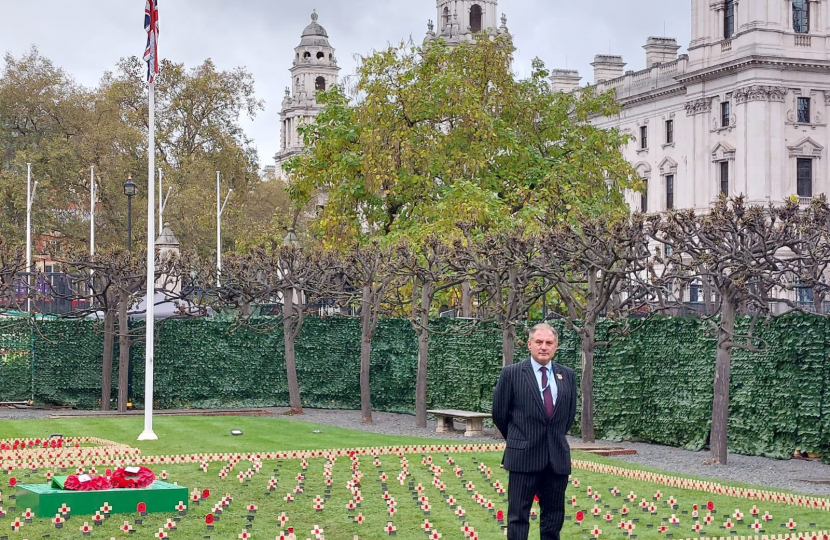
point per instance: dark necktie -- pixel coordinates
(547, 393)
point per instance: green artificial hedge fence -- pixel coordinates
(654, 385)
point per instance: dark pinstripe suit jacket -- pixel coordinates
(533, 441)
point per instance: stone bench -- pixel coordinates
(473, 420)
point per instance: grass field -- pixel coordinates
(204, 434)
(193, 434)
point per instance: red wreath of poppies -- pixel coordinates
(121, 479)
(95, 483)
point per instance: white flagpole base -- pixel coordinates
(148, 436)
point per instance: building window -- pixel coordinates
(669, 192)
(320, 55)
(729, 19)
(804, 110)
(320, 83)
(306, 55)
(475, 18)
(643, 137)
(801, 16)
(724, 114)
(669, 131)
(804, 293)
(644, 199)
(724, 178)
(695, 293)
(804, 177)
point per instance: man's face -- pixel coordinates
(542, 345)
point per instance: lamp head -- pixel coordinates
(130, 188)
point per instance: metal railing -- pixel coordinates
(49, 293)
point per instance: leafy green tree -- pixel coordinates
(12, 264)
(436, 135)
(433, 136)
(63, 129)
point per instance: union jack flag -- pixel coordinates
(151, 26)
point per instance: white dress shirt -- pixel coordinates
(537, 370)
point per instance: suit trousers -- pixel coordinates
(550, 487)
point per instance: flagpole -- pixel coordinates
(218, 231)
(161, 203)
(220, 209)
(92, 210)
(148, 434)
(91, 229)
(28, 237)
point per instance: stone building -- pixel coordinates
(314, 69)
(315, 66)
(461, 20)
(744, 112)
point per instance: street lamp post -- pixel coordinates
(30, 195)
(130, 189)
(220, 209)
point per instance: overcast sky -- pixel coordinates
(87, 38)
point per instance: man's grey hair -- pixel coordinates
(542, 326)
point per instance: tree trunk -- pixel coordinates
(587, 383)
(707, 296)
(510, 316)
(366, 354)
(508, 343)
(423, 356)
(466, 299)
(723, 368)
(818, 299)
(109, 346)
(295, 403)
(123, 353)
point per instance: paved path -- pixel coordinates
(778, 474)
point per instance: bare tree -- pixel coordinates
(245, 280)
(589, 267)
(427, 266)
(501, 266)
(114, 281)
(110, 285)
(810, 264)
(290, 275)
(304, 275)
(744, 252)
(370, 273)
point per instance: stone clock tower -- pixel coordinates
(315, 69)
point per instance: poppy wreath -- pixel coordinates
(121, 479)
(95, 483)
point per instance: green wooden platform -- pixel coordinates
(46, 500)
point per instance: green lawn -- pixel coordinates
(197, 434)
(193, 434)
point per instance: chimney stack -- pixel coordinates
(607, 67)
(564, 80)
(660, 50)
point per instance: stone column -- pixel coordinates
(697, 112)
(780, 174)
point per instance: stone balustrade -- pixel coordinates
(638, 82)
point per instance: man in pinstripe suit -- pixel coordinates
(534, 405)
